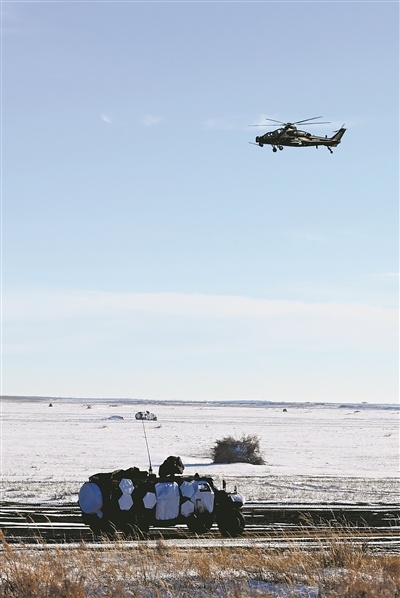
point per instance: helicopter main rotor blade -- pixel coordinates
(277, 121)
(321, 122)
(299, 122)
(289, 124)
(269, 125)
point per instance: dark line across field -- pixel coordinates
(273, 525)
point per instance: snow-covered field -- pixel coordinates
(313, 452)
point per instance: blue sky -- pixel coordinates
(149, 251)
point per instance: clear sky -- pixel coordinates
(149, 251)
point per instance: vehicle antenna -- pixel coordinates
(147, 446)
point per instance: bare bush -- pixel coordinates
(243, 450)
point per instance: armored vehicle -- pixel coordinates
(131, 501)
(146, 415)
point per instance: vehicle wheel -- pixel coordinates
(200, 523)
(103, 528)
(95, 526)
(231, 525)
(135, 526)
(134, 532)
(274, 149)
(95, 523)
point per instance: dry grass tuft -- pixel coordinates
(351, 585)
(34, 577)
(339, 569)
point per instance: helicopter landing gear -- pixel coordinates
(274, 149)
(280, 147)
(329, 149)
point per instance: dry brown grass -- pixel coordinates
(339, 569)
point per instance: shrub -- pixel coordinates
(243, 450)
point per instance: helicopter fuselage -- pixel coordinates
(290, 136)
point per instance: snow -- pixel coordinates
(313, 451)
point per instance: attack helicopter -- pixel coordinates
(290, 136)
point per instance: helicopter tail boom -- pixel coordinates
(338, 136)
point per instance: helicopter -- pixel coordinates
(289, 135)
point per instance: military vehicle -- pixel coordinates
(131, 501)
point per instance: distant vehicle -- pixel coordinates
(146, 415)
(131, 501)
(290, 136)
